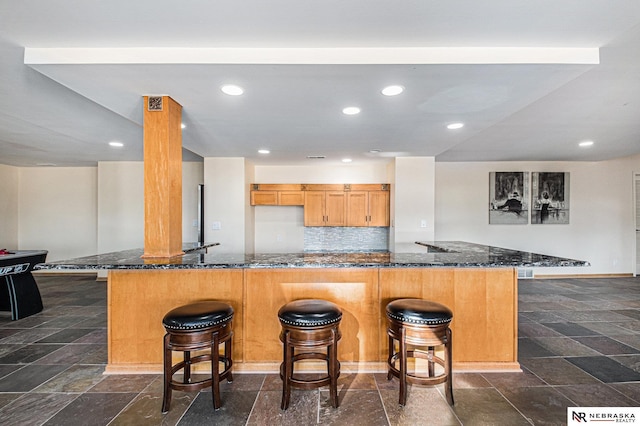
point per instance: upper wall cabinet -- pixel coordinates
(277, 195)
(368, 208)
(325, 208)
(329, 204)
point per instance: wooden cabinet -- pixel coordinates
(378, 208)
(290, 198)
(325, 208)
(277, 195)
(368, 208)
(264, 198)
(329, 204)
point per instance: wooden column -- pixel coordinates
(162, 177)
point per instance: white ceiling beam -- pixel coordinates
(313, 56)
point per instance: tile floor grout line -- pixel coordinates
(384, 407)
(253, 406)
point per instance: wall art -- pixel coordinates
(508, 198)
(550, 198)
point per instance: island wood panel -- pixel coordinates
(139, 299)
(355, 290)
(484, 305)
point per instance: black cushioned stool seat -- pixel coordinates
(197, 326)
(420, 324)
(309, 325)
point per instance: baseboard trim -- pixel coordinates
(560, 276)
(314, 367)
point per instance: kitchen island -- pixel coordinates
(479, 284)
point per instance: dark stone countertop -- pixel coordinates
(440, 254)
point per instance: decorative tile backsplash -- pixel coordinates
(345, 239)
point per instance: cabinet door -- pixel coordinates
(314, 208)
(290, 198)
(357, 211)
(336, 208)
(378, 208)
(264, 198)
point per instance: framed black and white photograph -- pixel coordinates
(508, 198)
(550, 198)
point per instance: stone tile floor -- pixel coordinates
(579, 345)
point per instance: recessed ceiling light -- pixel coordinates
(454, 126)
(263, 151)
(585, 144)
(232, 89)
(182, 125)
(351, 110)
(392, 90)
(116, 144)
(374, 151)
(347, 160)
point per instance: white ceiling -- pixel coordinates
(300, 62)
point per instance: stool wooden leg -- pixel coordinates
(215, 370)
(287, 373)
(228, 350)
(186, 376)
(448, 386)
(391, 350)
(333, 369)
(403, 367)
(431, 364)
(166, 400)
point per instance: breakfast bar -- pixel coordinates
(477, 282)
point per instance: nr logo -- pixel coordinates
(579, 417)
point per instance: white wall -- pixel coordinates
(80, 211)
(120, 205)
(348, 173)
(9, 196)
(225, 203)
(414, 193)
(58, 210)
(601, 228)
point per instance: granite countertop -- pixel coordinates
(449, 254)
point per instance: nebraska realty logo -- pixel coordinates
(602, 415)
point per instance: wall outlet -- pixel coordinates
(216, 226)
(423, 223)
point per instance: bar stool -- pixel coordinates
(421, 324)
(309, 325)
(197, 326)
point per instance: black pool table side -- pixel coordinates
(20, 293)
